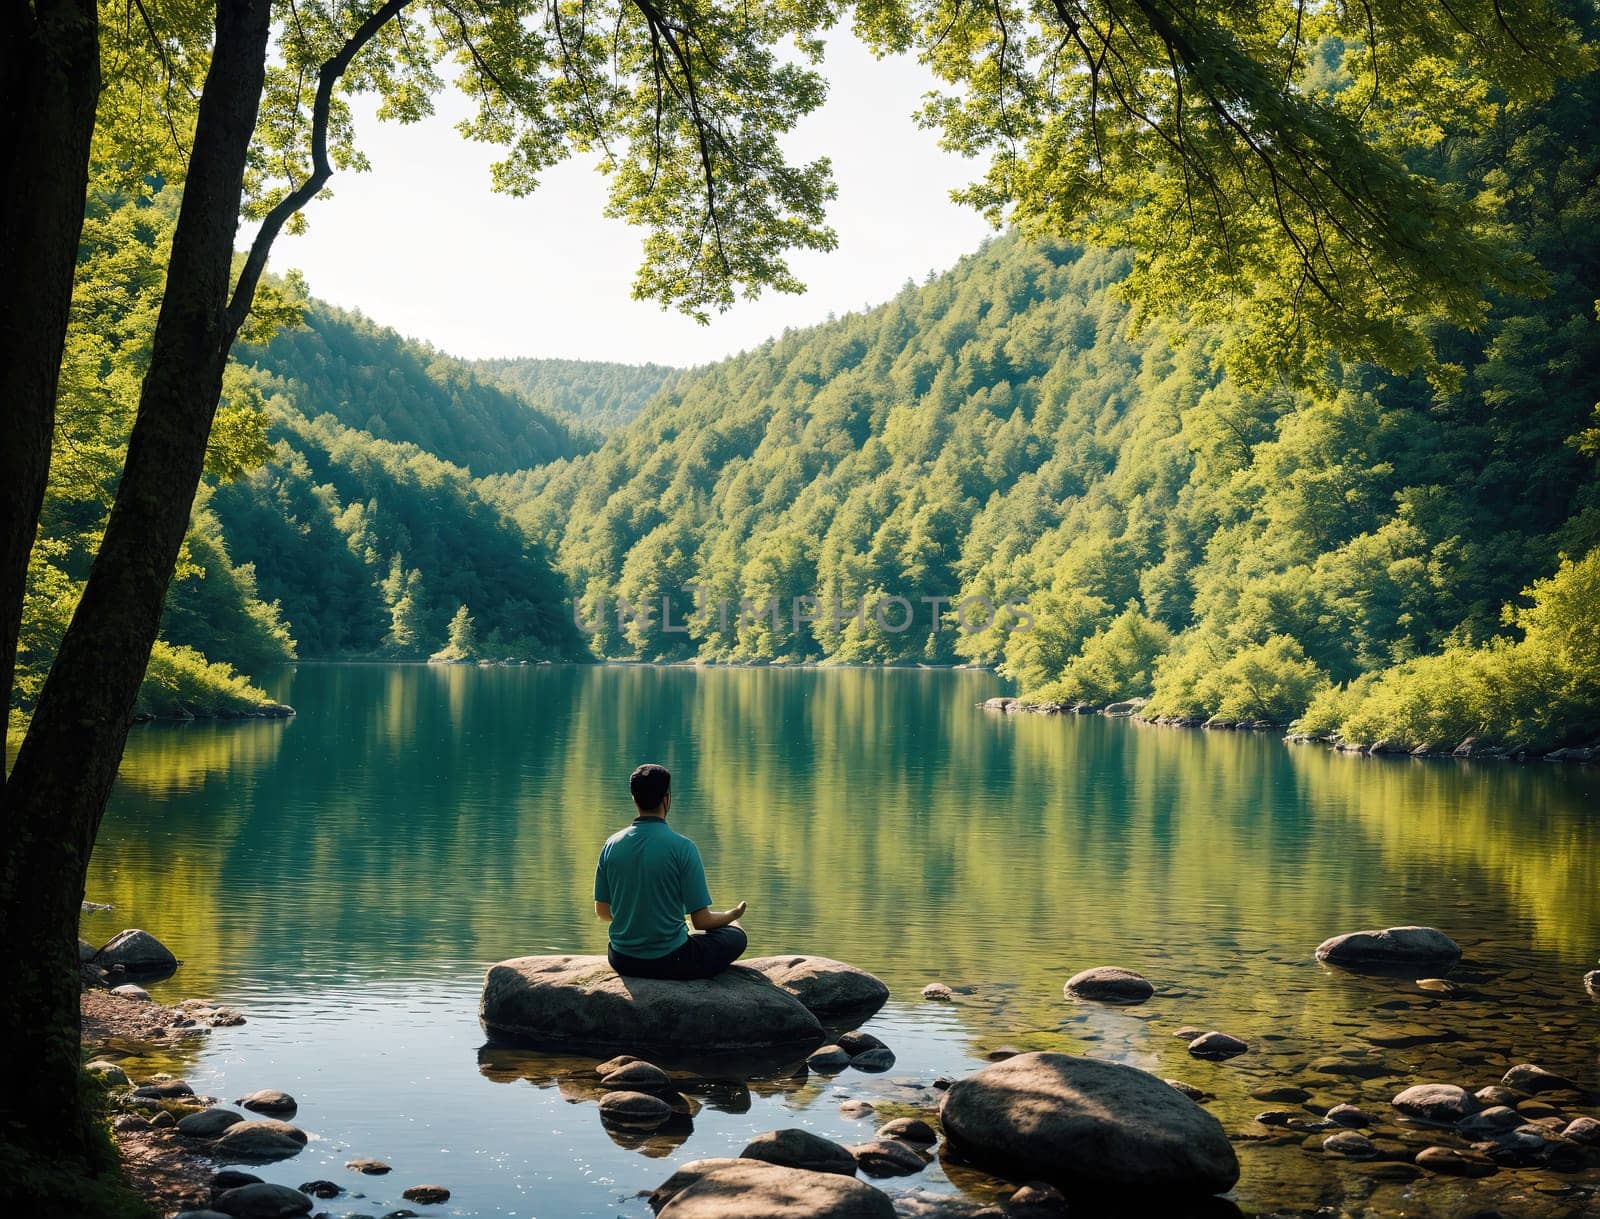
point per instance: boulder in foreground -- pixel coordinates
(581, 1001)
(1391, 948)
(754, 1190)
(1089, 1127)
(826, 987)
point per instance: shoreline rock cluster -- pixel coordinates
(1473, 748)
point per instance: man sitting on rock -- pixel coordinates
(647, 879)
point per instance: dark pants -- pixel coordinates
(704, 954)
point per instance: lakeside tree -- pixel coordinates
(684, 104)
(461, 638)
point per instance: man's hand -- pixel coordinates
(707, 919)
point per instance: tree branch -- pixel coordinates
(244, 293)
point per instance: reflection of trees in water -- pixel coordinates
(415, 818)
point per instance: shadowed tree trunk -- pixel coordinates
(64, 770)
(49, 82)
(68, 760)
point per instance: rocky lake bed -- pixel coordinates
(1428, 1109)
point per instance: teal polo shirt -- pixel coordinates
(651, 876)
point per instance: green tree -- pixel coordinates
(408, 611)
(461, 638)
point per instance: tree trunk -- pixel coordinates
(69, 758)
(49, 82)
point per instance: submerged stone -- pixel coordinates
(580, 1000)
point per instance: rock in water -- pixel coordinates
(263, 1201)
(265, 1139)
(1591, 983)
(637, 1076)
(879, 1058)
(1453, 1162)
(752, 1190)
(1217, 1046)
(163, 1087)
(856, 1042)
(108, 1073)
(1444, 1104)
(269, 1101)
(1350, 1145)
(888, 1158)
(1109, 984)
(795, 1148)
(909, 1130)
(828, 1060)
(829, 989)
(1583, 1130)
(427, 1195)
(1086, 1125)
(139, 953)
(581, 1001)
(1393, 947)
(1525, 1077)
(232, 1178)
(634, 1110)
(1348, 1115)
(208, 1123)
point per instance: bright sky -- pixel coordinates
(423, 245)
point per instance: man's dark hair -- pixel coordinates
(650, 784)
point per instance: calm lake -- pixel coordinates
(344, 878)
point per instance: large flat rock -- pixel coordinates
(830, 990)
(1391, 948)
(1092, 1128)
(580, 1001)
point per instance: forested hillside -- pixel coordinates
(397, 389)
(602, 395)
(370, 548)
(1003, 432)
(311, 536)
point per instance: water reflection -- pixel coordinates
(414, 823)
